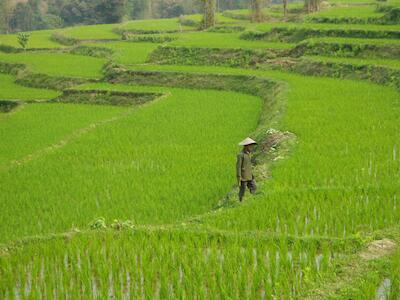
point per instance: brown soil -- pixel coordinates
(378, 248)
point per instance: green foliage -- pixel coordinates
(180, 263)
(60, 120)
(161, 172)
(226, 29)
(155, 130)
(12, 91)
(324, 67)
(7, 106)
(48, 82)
(100, 97)
(8, 49)
(147, 38)
(38, 40)
(348, 49)
(209, 11)
(215, 56)
(58, 64)
(208, 39)
(126, 52)
(23, 39)
(92, 51)
(92, 12)
(188, 22)
(60, 38)
(292, 34)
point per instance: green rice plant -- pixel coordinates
(159, 25)
(58, 120)
(59, 64)
(128, 53)
(221, 40)
(221, 18)
(163, 265)
(372, 27)
(91, 32)
(368, 196)
(201, 128)
(38, 39)
(355, 41)
(11, 91)
(392, 63)
(356, 11)
(167, 168)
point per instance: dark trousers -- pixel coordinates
(250, 184)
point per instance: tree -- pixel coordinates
(22, 18)
(109, 11)
(92, 11)
(256, 11)
(312, 5)
(52, 21)
(23, 39)
(285, 3)
(6, 11)
(208, 13)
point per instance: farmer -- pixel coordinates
(244, 169)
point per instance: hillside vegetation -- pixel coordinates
(118, 148)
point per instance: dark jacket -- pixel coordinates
(243, 166)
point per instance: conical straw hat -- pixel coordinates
(247, 141)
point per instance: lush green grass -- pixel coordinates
(155, 24)
(9, 90)
(333, 162)
(352, 2)
(161, 163)
(91, 32)
(57, 120)
(38, 39)
(128, 52)
(356, 41)
(358, 11)
(357, 61)
(221, 19)
(58, 64)
(269, 26)
(165, 265)
(274, 10)
(165, 166)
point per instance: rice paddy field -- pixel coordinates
(117, 162)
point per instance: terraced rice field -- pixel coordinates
(117, 174)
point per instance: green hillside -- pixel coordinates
(119, 143)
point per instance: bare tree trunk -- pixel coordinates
(7, 9)
(209, 13)
(256, 12)
(285, 3)
(312, 5)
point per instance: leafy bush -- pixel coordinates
(147, 38)
(92, 51)
(7, 106)
(9, 49)
(63, 40)
(226, 29)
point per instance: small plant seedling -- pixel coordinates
(23, 39)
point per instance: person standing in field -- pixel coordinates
(244, 170)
